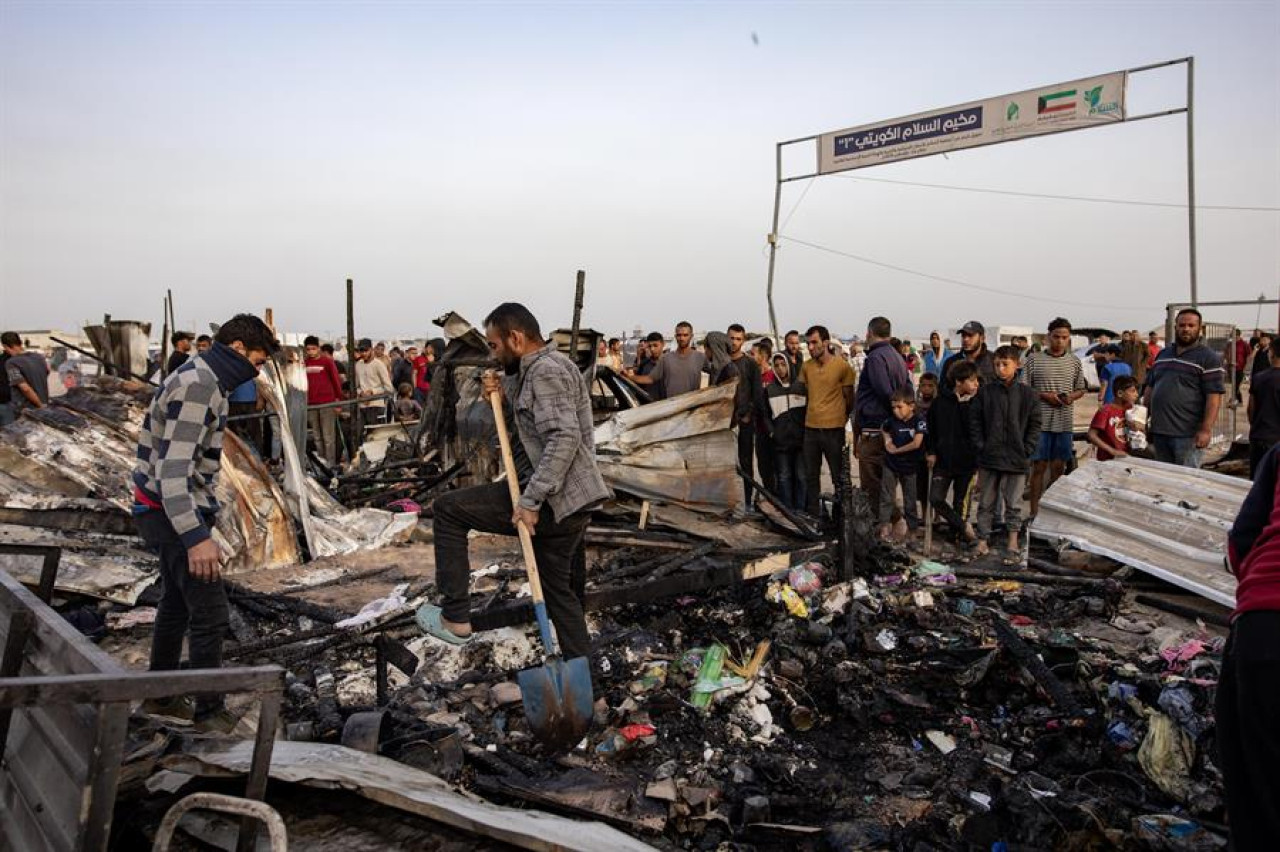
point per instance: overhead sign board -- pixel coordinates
(1035, 112)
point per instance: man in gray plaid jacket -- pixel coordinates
(179, 455)
(560, 484)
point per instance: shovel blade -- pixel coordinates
(558, 701)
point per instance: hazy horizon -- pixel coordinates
(450, 157)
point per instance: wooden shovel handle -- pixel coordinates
(513, 483)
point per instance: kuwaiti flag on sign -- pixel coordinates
(1064, 101)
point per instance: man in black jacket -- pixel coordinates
(748, 403)
(948, 443)
(1006, 430)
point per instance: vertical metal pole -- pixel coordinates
(773, 236)
(357, 428)
(1191, 175)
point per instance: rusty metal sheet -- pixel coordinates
(679, 450)
(1167, 521)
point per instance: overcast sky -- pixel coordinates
(253, 155)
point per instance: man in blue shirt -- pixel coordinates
(1113, 369)
(883, 373)
(1184, 392)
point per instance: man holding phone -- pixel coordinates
(1057, 377)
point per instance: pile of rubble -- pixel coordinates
(928, 706)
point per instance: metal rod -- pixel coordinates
(1235, 304)
(357, 431)
(1191, 176)
(773, 238)
(102, 361)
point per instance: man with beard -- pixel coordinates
(1183, 393)
(559, 482)
(973, 348)
(676, 372)
(794, 352)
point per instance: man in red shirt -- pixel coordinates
(1234, 358)
(1153, 349)
(1248, 701)
(421, 372)
(324, 386)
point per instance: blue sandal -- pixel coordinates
(429, 621)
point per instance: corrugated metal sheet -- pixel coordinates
(680, 450)
(1167, 521)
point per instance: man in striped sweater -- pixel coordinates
(179, 456)
(1057, 377)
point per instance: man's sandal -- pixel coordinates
(429, 621)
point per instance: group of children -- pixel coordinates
(939, 440)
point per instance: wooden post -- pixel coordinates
(577, 315)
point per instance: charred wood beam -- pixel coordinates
(1027, 657)
(1208, 616)
(660, 566)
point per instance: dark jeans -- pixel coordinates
(790, 472)
(746, 457)
(187, 605)
(890, 482)
(1248, 705)
(871, 470)
(557, 547)
(822, 444)
(1175, 449)
(765, 461)
(956, 512)
(256, 431)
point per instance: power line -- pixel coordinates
(957, 282)
(796, 206)
(1089, 199)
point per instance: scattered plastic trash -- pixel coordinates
(944, 743)
(1172, 833)
(1167, 755)
(787, 596)
(806, 579)
(1179, 704)
(1122, 735)
(376, 608)
(651, 677)
(404, 505)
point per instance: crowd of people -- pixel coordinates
(968, 431)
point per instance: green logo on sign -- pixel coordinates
(1092, 96)
(1011, 114)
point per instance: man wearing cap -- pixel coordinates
(973, 347)
(373, 379)
(181, 342)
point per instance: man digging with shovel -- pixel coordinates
(559, 486)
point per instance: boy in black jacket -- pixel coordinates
(787, 402)
(1006, 430)
(948, 446)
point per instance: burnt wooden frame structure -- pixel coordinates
(64, 710)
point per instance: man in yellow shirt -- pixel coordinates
(829, 384)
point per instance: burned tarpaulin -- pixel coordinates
(67, 472)
(679, 450)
